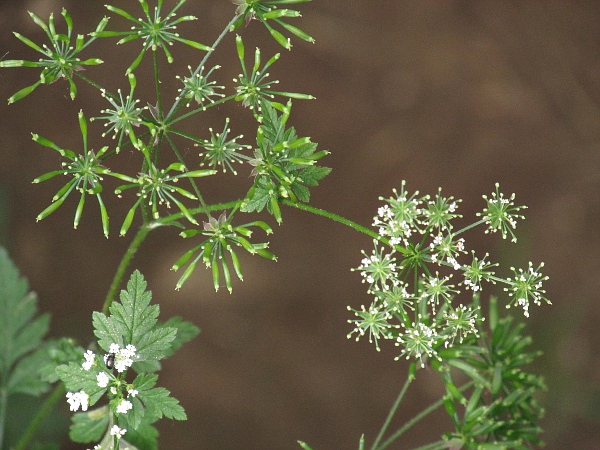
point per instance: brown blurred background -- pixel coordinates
(458, 94)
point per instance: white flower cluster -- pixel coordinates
(77, 399)
(416, 232)
(123, 356)
(116, 431)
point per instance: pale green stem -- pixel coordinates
(40, 416)
(200, 109)
(123, 265)
(418, 418)
(343, 220)
(468, 227)
(157, 84)
(3, 405)
(438, 445)
(392, 412)
(176, 105)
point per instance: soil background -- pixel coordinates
(457, 94)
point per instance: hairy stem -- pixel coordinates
(124, 264)
(343, 220)
(468, 227)
(40, 416)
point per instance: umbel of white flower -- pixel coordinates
(415, 233)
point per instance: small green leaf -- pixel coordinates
(89, 426)
(159, 403)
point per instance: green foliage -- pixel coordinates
(132, 337)
(284, 164)
(502, 410)
(86, 172)
(22, 353)
(268, 10)
(409, 272)
(154, 30)
(222, 236)
(61, 59)
(134, 321)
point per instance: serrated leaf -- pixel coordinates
(186, 331)
(302, 192)
(258, 201)
(60, 351)
(311, 175)
(159, 403)
(145, 381)
(76, 379)
(21, 334)
(154, 344)
(147, 366)
(106, 330)
(25, 378)
(89, 426)
(134, 321)
(135, 415)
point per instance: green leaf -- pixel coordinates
(21, 333)
(159, 403)
(89, 426)
(304, 445)
(60, 351)
(311, 175)
(134, 321)
(76, 378)
(186, 331)
(26, 377)
(144, 437)
(258, 201)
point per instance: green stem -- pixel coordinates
(418, 418)
(157, 85)
(192, 182)
(468, 227)
(3, 406)
(124, 264)
(200, 109)
(438, 445)
(234, 204)
(40, 416)
(343, 220)
(96, 85)
(392, 412)
(177, 103)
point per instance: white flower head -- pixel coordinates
(102, 379)
(114, 348)
(116, 431)
(77, 399)
(90, 357)
(132, 392)
(124, 406)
